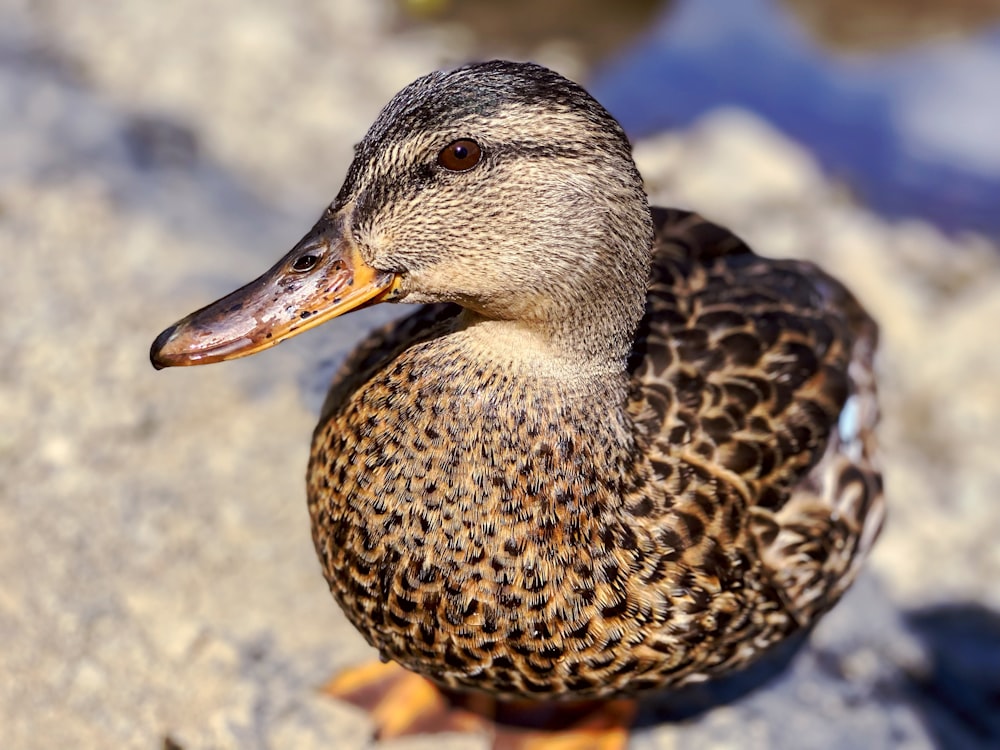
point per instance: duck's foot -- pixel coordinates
(582, 725)
(403, 703)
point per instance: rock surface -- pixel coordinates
(160, 589)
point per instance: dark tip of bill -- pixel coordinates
(161, 341)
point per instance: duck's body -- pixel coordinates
(539, 534)
(595, 464)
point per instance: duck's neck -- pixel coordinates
(583, 330)
(569, 361)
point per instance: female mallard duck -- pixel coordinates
(615, 451)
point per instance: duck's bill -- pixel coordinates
(322, 277)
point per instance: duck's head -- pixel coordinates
(500, 186)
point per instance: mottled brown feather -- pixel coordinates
(503, 533)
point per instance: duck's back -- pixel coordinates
(761, 369)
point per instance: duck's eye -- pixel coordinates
(461, 155)
(304, 262)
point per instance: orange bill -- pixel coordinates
(322, 277)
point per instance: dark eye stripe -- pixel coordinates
(538, 150)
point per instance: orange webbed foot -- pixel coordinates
(402, 703)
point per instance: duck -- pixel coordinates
(612, 450)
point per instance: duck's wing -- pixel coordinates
(381, 346)
(761, 370)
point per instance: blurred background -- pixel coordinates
(159, 584)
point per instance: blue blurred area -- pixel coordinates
(912, 133)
